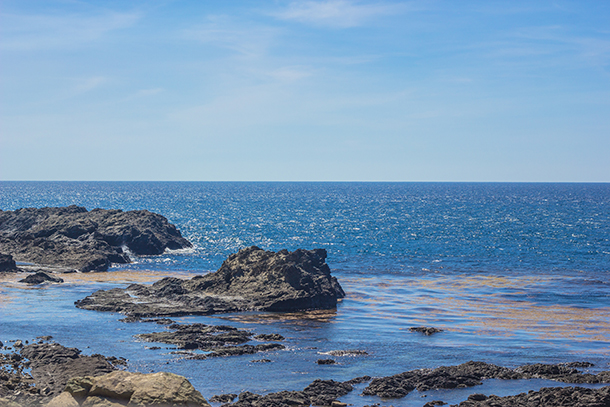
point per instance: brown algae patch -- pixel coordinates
(480, 305)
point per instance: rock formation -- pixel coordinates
(252, 279)
(471, 374)
(122, 388)
(73, 237)
(218, 340)
(39, 278)
(545, 397)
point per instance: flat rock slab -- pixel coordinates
(545, 397)
(252, 279)
(472, 374)
(84, 240)
(218, 340)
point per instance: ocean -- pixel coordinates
(514, 273)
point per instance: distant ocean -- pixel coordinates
(514, 274)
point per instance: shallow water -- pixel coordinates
(513, 273)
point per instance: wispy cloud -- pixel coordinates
(244, 38)
(336, 13)
(38, 31)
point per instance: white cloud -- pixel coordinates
(35, 32)
(291, 73)
(336, 13)
(245, 39)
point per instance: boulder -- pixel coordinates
(122, 388)
(85, 240)
(252, 279)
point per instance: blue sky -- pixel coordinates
(334, 90)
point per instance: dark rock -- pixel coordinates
(435, 403)
(548, 397)
(219, 340)
(223, 398)
(318, 393)
(326, 362)
(579, 364)
(351, 352)
(252, 279)
(34, 373)
(261, 361)
(269, 337)
(426, 330)
(477, 397)
(471, 374)
(358, 380)
(52, 365)
(445, 377)
(88, 241)
(39, 278)
(7, 264)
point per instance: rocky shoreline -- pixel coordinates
(45, 373)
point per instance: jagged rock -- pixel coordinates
(252, 279)
(52, 365)
(223, 398)
(326, 362)
(219, 340)
(318, 393)
(39, 278)
(546, 397)
(7, 263)
(426, 330)
(269, 337)
(86, 240)
(471, 374)
(349, 352)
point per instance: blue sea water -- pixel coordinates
(513, 273)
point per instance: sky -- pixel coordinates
(331, 90)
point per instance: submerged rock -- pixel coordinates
(252, 279)
(426, 330)
(86, 240)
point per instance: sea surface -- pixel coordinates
(513, 273)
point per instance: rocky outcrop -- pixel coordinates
(33, 373)
(252, 279)
(52, 365)
(219, 340)
(318, 393)
(73, 237)
(40, 278)
(7, 263)
(122, 388)
(471, 374)
(545, 397)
